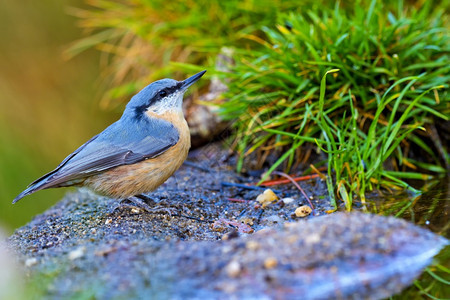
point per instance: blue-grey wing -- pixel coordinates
(123, 143)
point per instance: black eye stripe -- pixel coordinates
(162, 93)
(167, 91)
(159, 95)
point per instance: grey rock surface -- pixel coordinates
(88, 246)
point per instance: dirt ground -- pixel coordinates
(209, 238)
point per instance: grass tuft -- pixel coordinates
(363, 84)
(376, 121)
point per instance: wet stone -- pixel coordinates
(212, 247)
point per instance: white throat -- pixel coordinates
(172, 102)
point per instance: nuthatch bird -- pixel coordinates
(134, 155)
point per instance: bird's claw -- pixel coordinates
(138, 202)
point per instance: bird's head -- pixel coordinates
(159, 97)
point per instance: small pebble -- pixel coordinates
(267, 198)
(233, 269)
(252, 245)
(287, 200)
(31, 262)
(312, 238)
(247, 220)
(270, 263)
(303, 211)
(77, 253)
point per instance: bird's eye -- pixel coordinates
(162, 94)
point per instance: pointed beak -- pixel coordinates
(191, 80)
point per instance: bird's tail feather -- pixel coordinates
(31, 189)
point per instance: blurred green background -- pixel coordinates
(48, 105)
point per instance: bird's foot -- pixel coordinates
(141, 202)
(146, 199)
